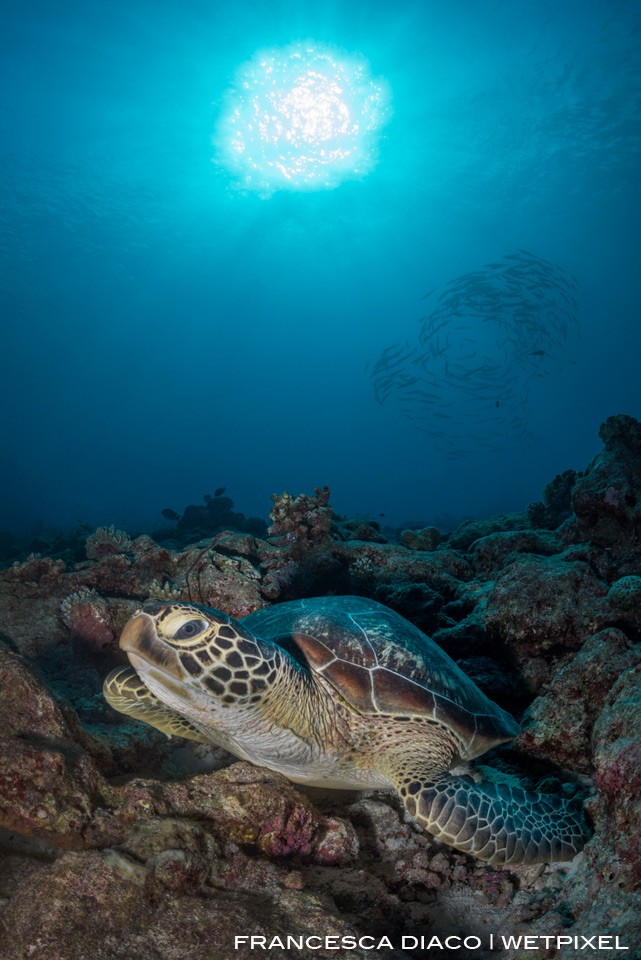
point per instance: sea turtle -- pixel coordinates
(340, 692)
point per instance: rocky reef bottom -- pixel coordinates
(118, 843)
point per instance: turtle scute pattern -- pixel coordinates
(343, 690)
(228, 661)
(383, 664)
(385, 667)
(496, 822)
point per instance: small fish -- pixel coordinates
(169, 514)
(218, 492)
(537, 353)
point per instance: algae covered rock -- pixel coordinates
(607, 498)
(556, 506)
(472, 530)
(107, 906)
(617, 761)
(259, 808)
(416, 601)
(558, 725)
(49, 785)
(428, 538)
(624, 601)
(30, 612)
(494, 551)
(544, 606)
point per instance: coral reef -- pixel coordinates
(199, 521)
(557, 502)
(601, 660)
(88, 618)
(541, 608)
(303, 529)
(105, 541)
(36, 569)
(164, 591)
(606, 499)
(301, 522)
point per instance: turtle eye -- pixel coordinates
(190, 629)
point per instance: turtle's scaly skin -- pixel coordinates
(127, 693)
(340, 692)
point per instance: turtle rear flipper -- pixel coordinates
(125, 692)
(494, 821)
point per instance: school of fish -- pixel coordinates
(466, 381)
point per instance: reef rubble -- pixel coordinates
(117, 842)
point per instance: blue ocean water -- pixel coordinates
(167, 332)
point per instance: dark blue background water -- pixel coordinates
(164, 334)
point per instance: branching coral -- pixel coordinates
(164, 591)
(363, 568)
(363, 572)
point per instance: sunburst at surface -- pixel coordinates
(302, 117)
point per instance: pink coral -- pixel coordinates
(303, 520)
(88, 618)
(338, 843)
(105, 542)
(288, 832)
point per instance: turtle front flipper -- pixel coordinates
(125, 692)
(495, 822)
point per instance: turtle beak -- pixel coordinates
(140, 642)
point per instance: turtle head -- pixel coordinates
(191, 656)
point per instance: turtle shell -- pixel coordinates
(380, 663)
